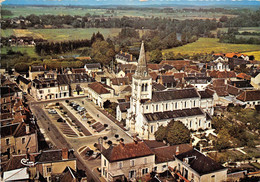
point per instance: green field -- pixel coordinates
(61, 34)
(207, 45)
(25, 11)
(29, 50)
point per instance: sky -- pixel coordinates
(132, 2)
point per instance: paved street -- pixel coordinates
(49, 126)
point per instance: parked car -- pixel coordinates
(52, 111)
(60, 120)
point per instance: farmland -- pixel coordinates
(23, 49)
(61, 34)
(81, 11)
(208, 45)
(255, 53)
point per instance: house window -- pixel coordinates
(151, 129)
(49, 90)
(190, 123)
(147, 107)
(213, 178)
(155, 168)
(176, 105)
(120, 165)
(145, 160)
(19, 151)
(132, 174)
(144, 171)
(199, 122)
(105, 162)
(156, 107)
(7, 141)
(166, 106)
(132, 162)
(185, 104)
(48, 169)
(209, 125)
(23, 140)
(164, 167)
(194, 103)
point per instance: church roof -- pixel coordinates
(174, 94)
(141, 70)
(173, 114)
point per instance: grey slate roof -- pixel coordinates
(173, 114)
(174, 94)
(200, 163)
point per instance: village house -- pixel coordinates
(45, 89)
(77, 84)
(124, 69)
(125, 58)
(35, 71)
(199, 82)
(50, 165)
(93, 68)
(23, 84)
(195, 166)
(121, 110)
(99, 93)
(135, 161)
(249, 97)
(148, 110)
(118, 84)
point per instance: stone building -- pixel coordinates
(149, 109)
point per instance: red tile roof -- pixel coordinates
(127, 151)
(244, 76)
(249, 95)
(179, 75)
(99, 88)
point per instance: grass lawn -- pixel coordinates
(207, 45)
(29, 50)
(61, 34)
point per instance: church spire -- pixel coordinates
(141, 70)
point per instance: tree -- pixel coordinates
(21, 67)
(223, 139)
(174, 133)
(160, 134)
(178, 133)
(156, 56)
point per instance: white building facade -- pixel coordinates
(148, 110)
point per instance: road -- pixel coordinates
(57, 138)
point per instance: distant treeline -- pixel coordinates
(231, 37)
(60, 47)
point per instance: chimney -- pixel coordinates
(125, 53)
(121, 52)
(65, 154)
(135, 139)
(177, 150)
(131, 57)
(121, 142)
(27, 129)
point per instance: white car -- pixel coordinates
(52, 111)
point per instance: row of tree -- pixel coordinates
(49, 48)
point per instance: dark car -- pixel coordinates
(60, 120)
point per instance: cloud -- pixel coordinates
(143, 0)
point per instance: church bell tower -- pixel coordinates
(142, 81)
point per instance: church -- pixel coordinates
(150, 109)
